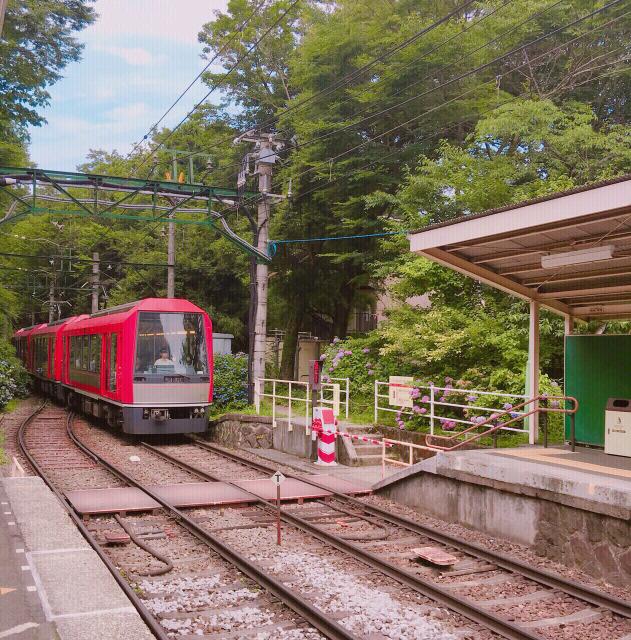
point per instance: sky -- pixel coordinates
(138, 56)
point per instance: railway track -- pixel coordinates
(370, 536)
(42, 441)
(559, 603)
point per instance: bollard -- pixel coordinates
(326, 436)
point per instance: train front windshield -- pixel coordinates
(171, 343)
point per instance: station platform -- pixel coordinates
(569, 506)
(52, 583)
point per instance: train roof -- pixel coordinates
(120, 313)
(104, 317)
(151, 304)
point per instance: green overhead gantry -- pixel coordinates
(34, 191)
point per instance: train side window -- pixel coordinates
(52, 356)
(85, 352)
(95, 353)
(112, 362)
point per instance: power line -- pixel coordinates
(222, 79)
(238, 31)
(457, 123)
(349, 77)
(467, 74)
(355, 124)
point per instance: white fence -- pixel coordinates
(433, 401)
(286, 394)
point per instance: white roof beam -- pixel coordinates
(584, 293)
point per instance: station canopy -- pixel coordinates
(570, 251)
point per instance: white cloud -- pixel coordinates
(164, 19)
(129, 112)
(136, 56)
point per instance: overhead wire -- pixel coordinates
(401, 151)
(349, 77)
(488, 43)
(250, 49)
(327, 163)
(236, 33)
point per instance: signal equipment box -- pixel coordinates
(618, 427)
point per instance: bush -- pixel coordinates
(230, 382)
(13, 377)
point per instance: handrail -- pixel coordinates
(497, 427)
(541, 408)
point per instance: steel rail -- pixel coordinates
(155, 628)
(465, 607)
(544, 577)
(299, 605)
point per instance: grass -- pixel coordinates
(11, 406)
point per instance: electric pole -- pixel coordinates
(171, 241)
(95, 282)
(265, 158)
(51, 301)
(3, 8)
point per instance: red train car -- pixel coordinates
(145, 365)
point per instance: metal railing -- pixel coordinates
(292, 392)
(490, 427)
(431, 399)
(345, 390)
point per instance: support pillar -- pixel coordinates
(569, 325)
(532, 374)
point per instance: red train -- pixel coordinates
(146, 366)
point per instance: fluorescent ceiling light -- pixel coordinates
(592, 254)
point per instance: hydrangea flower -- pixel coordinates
(371, 373)
(448, 380)
(443, 398)
(423, 410)
(366, 350)
(507, 406)
(323, 356)
(336, 340)
(425, 399)
(348, 353)
(471, 398)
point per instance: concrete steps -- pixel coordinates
(359, 453)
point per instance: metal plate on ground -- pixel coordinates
(348, 487)
(435, 555)
(291, 489)
(128, 499)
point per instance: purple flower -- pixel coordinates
(507, 406)
(449, 425)
(348, 353)
(443, 398)
(494, 416)
(471, 398)
(323, 356)
(368, 365)
(554, 404)
(423, 410)
(415, 393)
(425, 399)
(448, 379)
(371, 373)
(480, 419)
(366, 350)
(416, 409)
(336, 340)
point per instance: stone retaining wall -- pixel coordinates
(598, 544)
(238, 430)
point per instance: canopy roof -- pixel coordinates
(504, 248)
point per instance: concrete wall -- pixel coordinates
(595, 543)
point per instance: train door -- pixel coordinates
(111, 354)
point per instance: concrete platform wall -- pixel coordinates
(596, 543)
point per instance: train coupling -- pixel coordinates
(159, 415)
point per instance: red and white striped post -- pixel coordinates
(324, 424)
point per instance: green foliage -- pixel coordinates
(230, 389)
(37, 43)
(13, 377)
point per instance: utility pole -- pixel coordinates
(265, 158)
(3, 8)
(51, 301)
(171, 242)
(95, 282)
